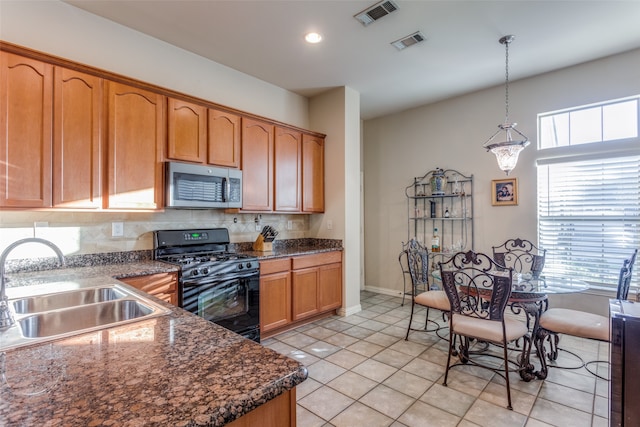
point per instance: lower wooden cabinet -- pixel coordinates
(300, 288)
(160, 285)
(278, 412)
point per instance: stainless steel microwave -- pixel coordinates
(191, 186)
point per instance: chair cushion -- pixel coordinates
(434, 299)
(576, 323)
(488, 330)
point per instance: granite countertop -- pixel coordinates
(177, 370)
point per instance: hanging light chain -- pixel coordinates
(506, 79)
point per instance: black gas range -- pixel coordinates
(215, 283)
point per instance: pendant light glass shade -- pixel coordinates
(508, 150)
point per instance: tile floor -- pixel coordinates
(363, 373)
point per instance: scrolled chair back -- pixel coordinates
(521, 255)
(418, 262)
(476, 285)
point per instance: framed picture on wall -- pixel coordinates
(504, 192)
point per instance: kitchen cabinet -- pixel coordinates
(136, 139)
(295, 290)
(26, 114)
(224, 138)
(257, 165)
(161, 285)
(78, 140)
(316, 284)
(312, 173)
(287, 170)
(277, 412)
(275, 294)
(187, 131)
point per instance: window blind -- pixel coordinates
(589, 217)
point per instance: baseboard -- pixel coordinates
(383, 291)
(349, 311)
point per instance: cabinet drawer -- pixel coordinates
(275, 266)
(318, 259)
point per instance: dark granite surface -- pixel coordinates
(173, 370)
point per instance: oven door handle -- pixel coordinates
(210, 280)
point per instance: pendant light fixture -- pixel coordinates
(507, 151)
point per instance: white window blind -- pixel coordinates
(589, 217)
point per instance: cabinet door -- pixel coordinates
(257, 165)
(26, 104)
(187, 131)
(288, 170)
(275, 301)
(78, 123)
(161, 285)
(224, 139)
(136, 140)
(305, 292)
(312, 174)
(330, 287)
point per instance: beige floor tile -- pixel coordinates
(601, 407)
(359, 415)
(306, 387)
(486, 414)
(374, 325)
(466, 383)
(353, 385)
(345, 358)
(323, 371)
(382, 339)
(325, 402)
(305, 418)
(395, 331)
(559, 415)
(409, 347)
(374, 370)
(497, 394)
(407, 383)
(466, 423)
(358, 332)
(393, 358)
(421, 414)
(567, 396)
(387, 318)
(298, 340)
(341, 340)
(321, 349)
(600, 422)
(388, 401)
(531, 422)
(365, 348)
(337, 325)
(354, 319)
(448, 399)
(319, 332)
(434, 355)
(424, 369)
(572, 379)
(303, 357)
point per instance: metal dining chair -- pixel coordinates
(416, 257)
(521, 255)
(478, 294)
(556, 321)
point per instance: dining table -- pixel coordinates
(529, 297)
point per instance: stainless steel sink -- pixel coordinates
(79, 307)
(56, 301)
(82, 317)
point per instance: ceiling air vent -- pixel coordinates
(409, 40)
(376, 12)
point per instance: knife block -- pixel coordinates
(261, 245)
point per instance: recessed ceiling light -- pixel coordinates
(313, 38)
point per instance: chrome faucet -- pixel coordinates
(6, 317)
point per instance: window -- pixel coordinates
(589, 200)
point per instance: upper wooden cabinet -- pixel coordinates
(78, 125)
(187, 131)
(312, 173)
(136, 140)
(224, 138)
(257, 165)
(288, 170)
(26, 94)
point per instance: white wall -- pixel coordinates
(450, 134)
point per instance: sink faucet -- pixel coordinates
(6, 318)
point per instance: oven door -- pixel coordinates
(232, 303)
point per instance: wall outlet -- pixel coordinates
(329, 225)
(289, 225)
(117, 229)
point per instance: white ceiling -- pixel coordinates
(461, 54)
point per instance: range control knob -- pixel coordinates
(249, 265)
(240, 266)
(205, 271)
(194, 272)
